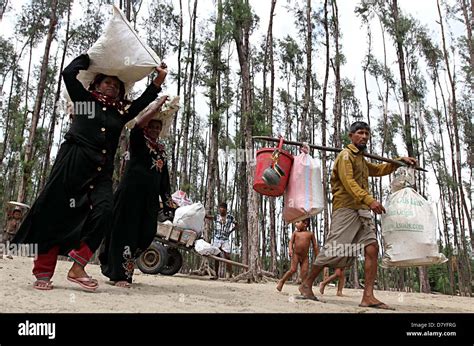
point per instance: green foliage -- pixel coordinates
(350, 103)
(260, 126)
(439, 278)
(291, 55)
(430, 50)
(7, 57)
(162, 28)
(84, 35)
(239, 14)
(32, 23)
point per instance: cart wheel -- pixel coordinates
(153, 259)
(175, 261)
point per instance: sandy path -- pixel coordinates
(182, 293)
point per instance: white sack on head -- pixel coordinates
(119, 52)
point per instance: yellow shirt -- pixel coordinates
(350, 179)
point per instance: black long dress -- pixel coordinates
(136, 207)
(76, 203)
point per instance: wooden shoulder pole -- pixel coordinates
(337, 150)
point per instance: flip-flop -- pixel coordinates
(381, 306)
(47, 286)
(86, 283)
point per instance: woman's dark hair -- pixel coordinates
(157, 120)
(223, 205)
(100, 77)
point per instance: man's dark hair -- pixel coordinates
(223, 205)
(359, 125)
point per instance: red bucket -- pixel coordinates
(265, 159)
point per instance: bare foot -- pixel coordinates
(306, 291)
(339, 294)
(122, 284)
(372, 302)
(321, 288)
(279, 286)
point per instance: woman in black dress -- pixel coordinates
(136, 201)
(74, 210)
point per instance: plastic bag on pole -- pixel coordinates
(304, 193)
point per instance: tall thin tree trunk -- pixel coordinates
(174, 146)
(324, 124)
(454, 116)
(242, 40)
(272, 206)
(304, 135)
(336, 64)
(469, 22)
(184, 181)
(403, 79)
(7, 129)
(56, 103)
(27, 161)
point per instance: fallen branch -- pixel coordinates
(337, 150)
(258, 276)
(220, 259)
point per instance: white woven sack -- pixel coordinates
(119, 52)
(409, 231)
(190, 217)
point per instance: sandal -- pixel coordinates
(86, 283)
(43, 285)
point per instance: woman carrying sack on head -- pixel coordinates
(136, 201)
(74, 210)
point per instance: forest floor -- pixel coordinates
(188, 294)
